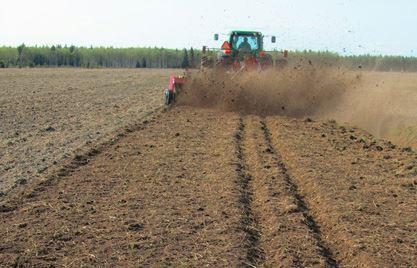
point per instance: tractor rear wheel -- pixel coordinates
(266, 62)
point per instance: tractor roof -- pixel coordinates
(245, 32)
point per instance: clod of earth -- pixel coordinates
(49, 129)
(136, 227)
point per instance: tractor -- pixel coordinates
(243, 51)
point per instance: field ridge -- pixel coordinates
(301, 205)
(255, 254)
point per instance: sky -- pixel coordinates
(345, 26)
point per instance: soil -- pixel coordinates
(200, 187)
(193, 186)
(48, 116)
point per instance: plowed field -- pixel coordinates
(189, 186)
(49, 115)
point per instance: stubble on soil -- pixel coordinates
(193, 186)
(48, 116)
(357, 190)
(203, 187)
(165, 195)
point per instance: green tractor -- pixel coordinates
(241, 50)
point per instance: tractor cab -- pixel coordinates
(243, 42)
(246, 42)
(244, 48)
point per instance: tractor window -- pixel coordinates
(245, 42)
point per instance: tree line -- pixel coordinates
(136, 57)
(366, 62)
(94, 57)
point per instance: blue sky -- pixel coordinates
(344, 26)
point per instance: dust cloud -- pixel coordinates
(296, 92)
(383, 103)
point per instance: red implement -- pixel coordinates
(175, 85)
(175, 82)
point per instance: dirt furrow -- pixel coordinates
(354, 189)
(49, 115)
(301, 207)
(285, 234)
(254, 253)
(165, 196)
(83, 157)
(200, 187)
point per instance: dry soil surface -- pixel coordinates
(49, 115)
(198, 187)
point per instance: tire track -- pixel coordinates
(286, 240)
(249, 223)
(308, 219)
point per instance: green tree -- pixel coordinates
(192, 58)
(20, 50)
(39, 60)
(185, 61)
(111, 57)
